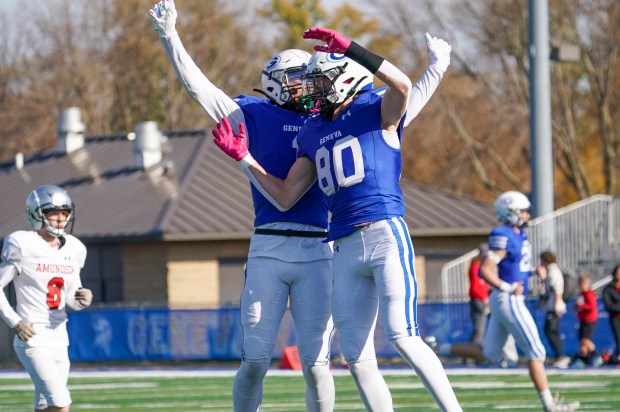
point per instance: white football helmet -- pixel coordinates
(282, 77)
(508, 205)
(45, 199)
(331, 79)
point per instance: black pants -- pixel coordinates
(478, 313)
(552, 332)
(615, 328)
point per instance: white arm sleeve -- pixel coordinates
(390, 70)
(7, 272)
(213, 100)
(422, 92)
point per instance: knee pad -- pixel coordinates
(257, 349)
(253, 371)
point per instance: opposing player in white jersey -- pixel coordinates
(287, 258)
(352, 148)
(44, 265)
(507, 267)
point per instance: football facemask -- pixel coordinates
(281, 78)
(508, 206)
(45, 199)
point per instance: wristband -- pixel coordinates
(364, 57)
(246, 161)
(507, 287)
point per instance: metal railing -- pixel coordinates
(585, 237)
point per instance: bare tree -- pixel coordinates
(472, 138)
(483, 101)
(106, 58)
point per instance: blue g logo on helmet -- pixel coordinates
(273, 62)
(335, 57)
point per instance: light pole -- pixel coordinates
(542, 195)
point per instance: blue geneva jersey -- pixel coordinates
(271, 134)
(358, 168)
(517, 265)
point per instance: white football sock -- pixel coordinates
(429, 369)
(320, 390)
(371, 386)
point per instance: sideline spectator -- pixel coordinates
(587, 313)
(611, 299)
(553, 304)
(478, 298)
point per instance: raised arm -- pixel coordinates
(285, 193)
(213, 100)
(395, 98)
(439, 53)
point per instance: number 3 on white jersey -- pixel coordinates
(323, 164)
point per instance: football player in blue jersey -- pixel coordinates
(352, 148)
(287, 258)
(507, 267)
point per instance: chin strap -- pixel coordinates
(294, 106)
(56, 232)
(59, 233)
(261, 92)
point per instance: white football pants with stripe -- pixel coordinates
(510, 316)
(374, 273)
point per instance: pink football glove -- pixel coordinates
(233, 145)
(334, 41)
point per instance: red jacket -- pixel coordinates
(478, 287)
(588, 312)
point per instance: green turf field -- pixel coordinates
(201, 390)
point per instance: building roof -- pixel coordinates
(195, 193)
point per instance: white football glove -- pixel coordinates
(164, 17)
(84, 297)
(438, 51)
(24, 331)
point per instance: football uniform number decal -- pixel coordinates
(525, 265)
(324, 175)
(349, 145)
(53, 292)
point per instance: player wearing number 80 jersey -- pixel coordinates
(358, 168)
(352, 148)
(44, 265)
